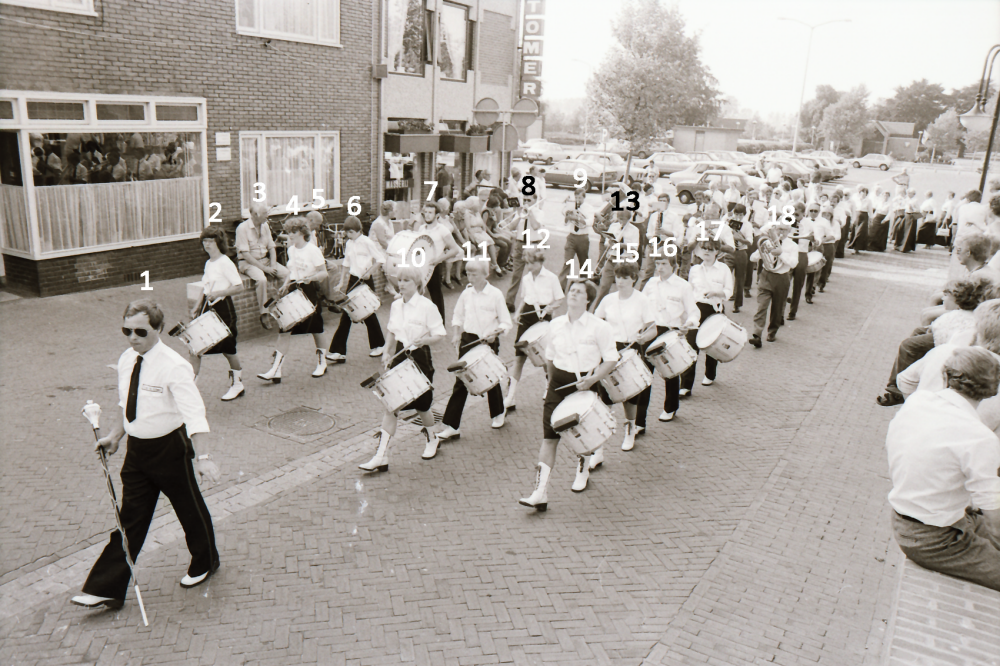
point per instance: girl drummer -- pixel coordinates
(712, 282)
(414, 324)
(307, 273)
(581, 352)
(220, 282)
(631, 316)
(674, 308)
(537, 298)
(362, 257)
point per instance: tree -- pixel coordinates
(654, 79)
(845, 121)
(919, 103)
(944, 133)
(976, 141)
(812, 111)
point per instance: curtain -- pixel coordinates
(407, 32)
(328, 166)
(290, 163)
(451, 48)
(294, 17)
(248, 170)
(14, 213)
(79, 216)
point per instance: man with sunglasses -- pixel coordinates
(164, 417)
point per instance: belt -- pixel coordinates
(912, 520)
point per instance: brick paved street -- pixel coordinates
(754, 529)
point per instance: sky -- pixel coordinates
(760, 60)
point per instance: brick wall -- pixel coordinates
(192, 48)
(497, 45)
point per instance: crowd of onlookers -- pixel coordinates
(78, 159)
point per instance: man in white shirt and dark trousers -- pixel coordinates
(581, 216)
(480, 315)
(164, 417)
(943, 461)
(804, 233)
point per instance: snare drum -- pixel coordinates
(629, 378)
(292, 308)
(534, 341)
(583, 422)
(360, 303)
(721, 338)
(480, 369)
(418, 250)
(671, 354)
(398, 386)
(816, 262)
(203, 333)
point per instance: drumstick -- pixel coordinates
(589, 374)
(479, 339)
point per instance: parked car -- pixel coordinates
(611, 160)
(686, 189)
(734, 156)
(814, 163)
(709, 155)
(546, 151)
(839, 170)
(828, 154)
(697, 168)
(792, 170)
(563, 174)
(651, 148)
(883, 162)
(518, 153)
(666, 163)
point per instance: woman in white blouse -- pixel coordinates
(414, 324)
(307, 273)
(362, 257)
(712, 282)
(220, 282)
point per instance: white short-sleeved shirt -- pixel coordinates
(414, 319)
(303, 263)
(220, 274)
(705, 278)
(168, 397)
(481, 312)
(673, 301)
(361, 254)
(582, 345)
(628, 317)
(541, 290)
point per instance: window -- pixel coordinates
(69, 6)
(290, 164)
(121, 111)
(407, 42)
(56, 111)
(453, 55)
(177, 112)
(312, 21)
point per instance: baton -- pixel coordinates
(92, 412)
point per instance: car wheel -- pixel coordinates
(857, 165)
(588, 186)
(685, 197)
(883, 167)
(549, 161)
(642, 155)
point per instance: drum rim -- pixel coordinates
(721, 327)
(581, 394)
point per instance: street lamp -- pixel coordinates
(976, 119)
(802, 97)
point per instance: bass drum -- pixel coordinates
(410, 248)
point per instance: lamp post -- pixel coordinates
(805, 73)
(976, 118)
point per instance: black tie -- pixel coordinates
(133, 391)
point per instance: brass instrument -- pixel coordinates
(765, 246)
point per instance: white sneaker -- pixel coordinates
(666, 416)
(640, 429)
(597, 458)
(707, 382)
(498, 422)
(375, 353)
(683, 393)
(629, 436)
(431, 449)
(336, 358)
(582, 475)
(448, 433)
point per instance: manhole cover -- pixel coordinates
(301, 423)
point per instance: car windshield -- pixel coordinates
(610, 158)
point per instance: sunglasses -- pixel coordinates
(141, 332)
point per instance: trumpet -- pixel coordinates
(766, 245)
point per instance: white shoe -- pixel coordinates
(189, 581)
(448, 433)
(274, 374)
(335, 358)
(431, 449)
(582, 474)
(666, 416)
(380, 462)
(91, 601)
(707, 382)
(498, 422)
(683, 393)
(597, 458)
(235, 386)
(539, 499)
(320, 364)
(375, 353)
(640, 429)
(629, 436)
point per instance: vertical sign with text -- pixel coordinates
(532, 49)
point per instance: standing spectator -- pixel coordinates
(774, 176)
(878, 233)
(843, 211)
(927, 232)
(445, 183)
(862, 215)
(541, 186)
(381, 230)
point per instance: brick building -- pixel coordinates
(123, 123)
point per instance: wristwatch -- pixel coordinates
(206, 456)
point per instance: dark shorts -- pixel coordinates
(227, 313)
(422, 357)
(528, 319)
(314, 322)
(553, 397)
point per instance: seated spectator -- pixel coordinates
(960, 298)
(943, 461)
(257, 258)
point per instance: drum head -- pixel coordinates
(577, 403)
(815, 257)
(535, 331)
(475, 354)
(710, 330)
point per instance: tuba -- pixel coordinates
(765, 245)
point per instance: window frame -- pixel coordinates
(286, 36)
(54, 6)
(281, 209)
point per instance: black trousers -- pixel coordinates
(434, 288)
(798, 279)
(711, 365)
(911, 350)
(153, 466)
(456, 403)
(375, 338)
